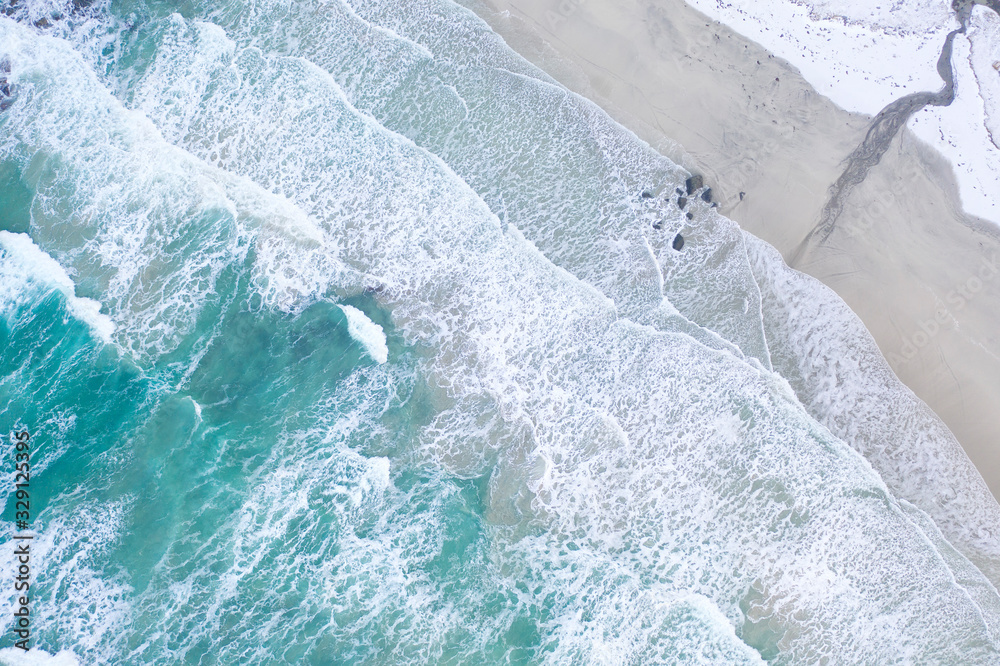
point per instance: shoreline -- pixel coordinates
(923, 275)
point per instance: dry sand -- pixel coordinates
(922, 275)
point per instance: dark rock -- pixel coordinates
(82, 4)
(706, 196)
(678, 242)
(681, 202)
(742, 194)
(6, 89)
(43, 23)
(647, 194)
(690, 216)
(658, 225)
(694, 183)
(679, 191)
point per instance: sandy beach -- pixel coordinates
(923, 276)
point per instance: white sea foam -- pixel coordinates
(577, 229)
(569, 179)
(139, 206)
(652, 627)
(840, 375)
(278, 545)
(367, 333)
(35, 657)
(71, 548)
(26, 261)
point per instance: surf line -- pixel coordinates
(884, 128)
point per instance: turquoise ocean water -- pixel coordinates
(345, 336)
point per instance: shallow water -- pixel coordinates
(346, 336)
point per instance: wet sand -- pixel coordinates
(922, 275)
